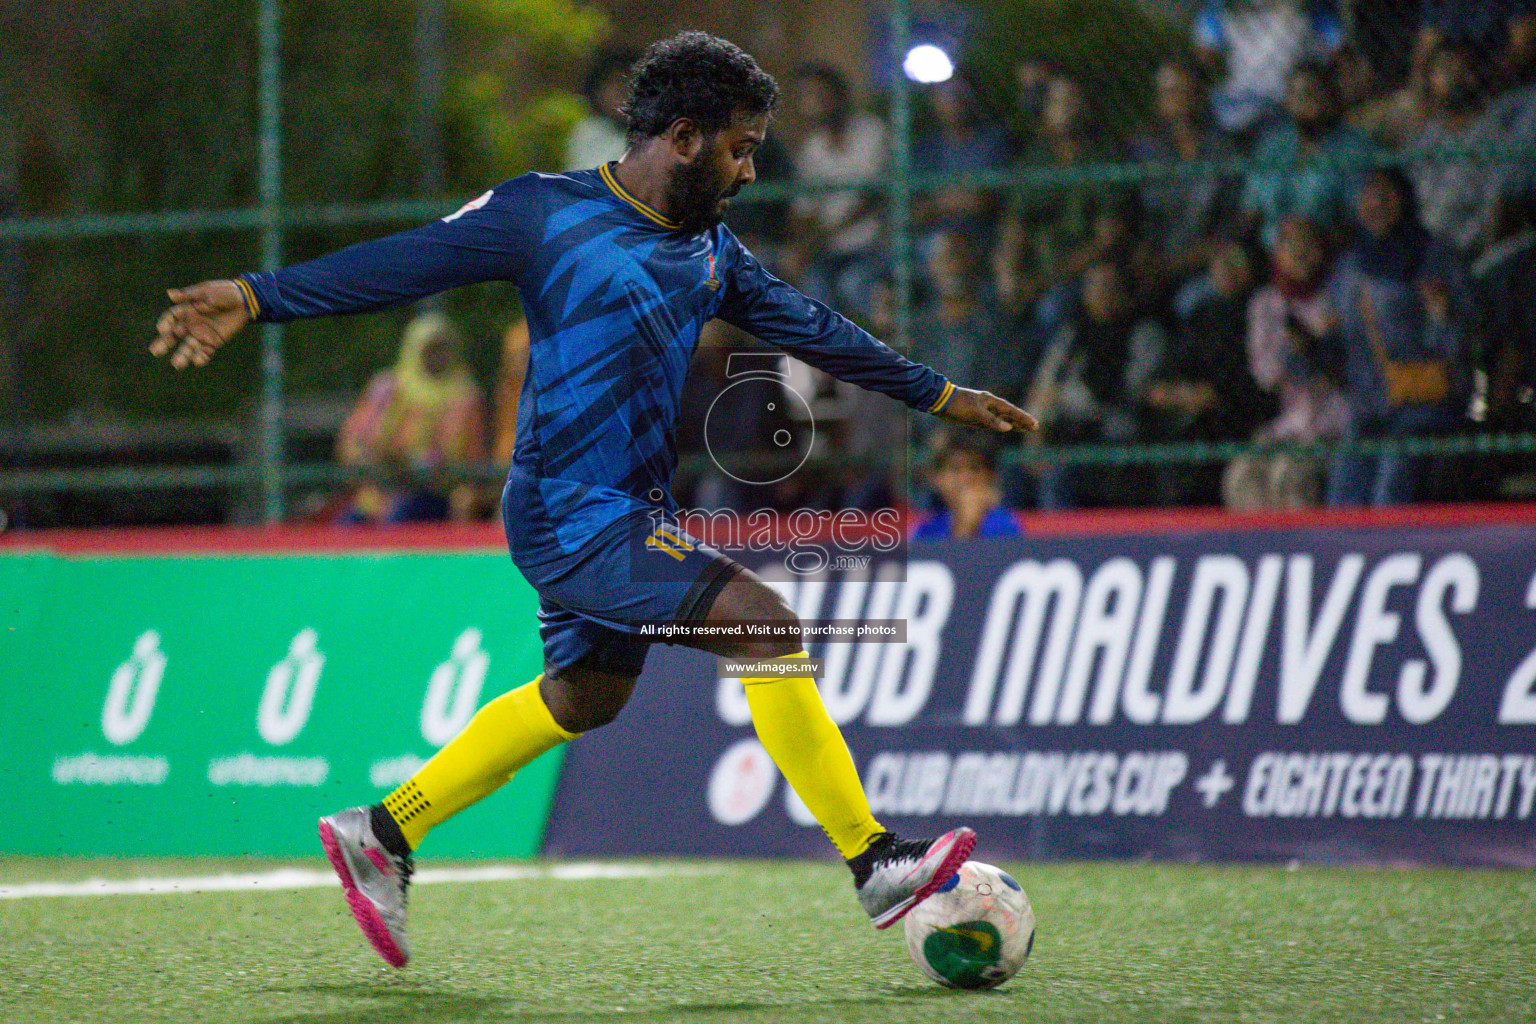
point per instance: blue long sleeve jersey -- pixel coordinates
(615, 297)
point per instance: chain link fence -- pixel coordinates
(1257, 252)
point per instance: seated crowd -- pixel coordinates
(1370, 276)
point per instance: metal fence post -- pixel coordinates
(428, 44)
(269, 173)
(10, 305)
(901, 204)
(901, 169)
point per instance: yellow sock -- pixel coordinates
(503, 736)
(805, 743)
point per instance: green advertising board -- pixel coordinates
(218, 704)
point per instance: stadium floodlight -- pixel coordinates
(928, 64)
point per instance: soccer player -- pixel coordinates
(618, 268)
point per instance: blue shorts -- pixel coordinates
(594, 602)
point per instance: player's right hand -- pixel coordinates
(202, 318)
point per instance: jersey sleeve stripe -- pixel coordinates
(248, 294)
(944, 397)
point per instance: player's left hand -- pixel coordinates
(984, 409)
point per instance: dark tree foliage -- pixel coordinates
(152, 106)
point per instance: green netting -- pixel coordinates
(134, 165)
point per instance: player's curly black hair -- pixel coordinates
(698, 76)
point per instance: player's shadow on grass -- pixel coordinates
(389, 1004)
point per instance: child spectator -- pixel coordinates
(1400, 297)
(963, 472)
(1290, 323)
(1331, 153)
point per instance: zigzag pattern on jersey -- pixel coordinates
(609, 414)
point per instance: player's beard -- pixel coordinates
(696, 196)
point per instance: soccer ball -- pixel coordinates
(976, 931)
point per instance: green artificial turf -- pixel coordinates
(778, 942)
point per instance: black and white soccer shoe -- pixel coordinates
(894, 874)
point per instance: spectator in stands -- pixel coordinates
(1187, 217)
(1390, 118)
(1382, 35)
(834, 235)
(1203, 391)
(1331, 154)
(1257, 43)
(1092, 381)
(960, 331)
(963, 139)
(1031, 77)
(1291, 356)
(1400, 296)
(601, 135)
(1047, 239)
(1504, 285)
(422, 415)
(1456, 197)
(1504, 30)
(963, 472)
(1510, 121)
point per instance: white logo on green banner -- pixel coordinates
(453, 697)
(124, 717)
(290, 692)
(453, 694)
(131, 697)
(259, 713)
(286, 702)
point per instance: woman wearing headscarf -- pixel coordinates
(1400, 295)
(422, 414)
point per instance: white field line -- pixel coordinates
(299, 878)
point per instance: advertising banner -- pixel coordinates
(218, 704)
(1360, 693)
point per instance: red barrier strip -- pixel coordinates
(1156, 521)
(218, 540)
(259, 540)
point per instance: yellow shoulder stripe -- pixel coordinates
(613, 184)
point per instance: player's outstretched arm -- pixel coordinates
(762, 305)
(486, 240)
(984, 409)
(201, 319)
